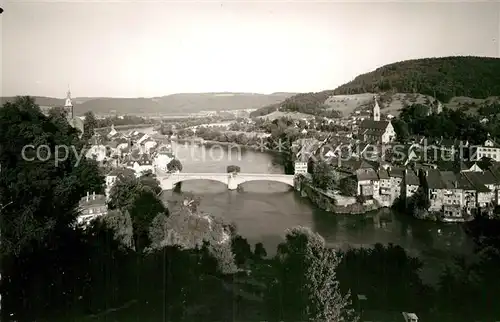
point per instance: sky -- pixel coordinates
(156, 48)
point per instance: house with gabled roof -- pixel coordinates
(470, 166)
(368, 182)
(139, 162)
(484, 195)
(374, 130)
(489, 149)
(91, 207)
(411, 183)
(384, 193)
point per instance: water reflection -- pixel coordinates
(262, 211)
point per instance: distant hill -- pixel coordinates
(444, 78)
(171, 104)
(456, 81)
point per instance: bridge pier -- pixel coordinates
(231, 183)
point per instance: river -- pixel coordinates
(262, 211)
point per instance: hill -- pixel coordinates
(171, 104)
(456, 81)
(443, 78)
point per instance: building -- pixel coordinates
(113, 133)
(75, 122)
(375, 130)
(140, 163)
(91, 207)
(384, 194)
(396, 176)
(368, 182)
(411, 183)
(490, 149)
(97, 152)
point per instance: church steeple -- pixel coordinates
(68, 105)
(376, 110)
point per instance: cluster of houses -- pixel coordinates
(457, 179)
(132, 153)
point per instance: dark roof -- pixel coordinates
(411, 178)
(366, 174)
(487, 177)
(476, 180)
(373, 132)
(464, 183)
(383, 174)
(374, 125)
(449, 179)
(396, 172)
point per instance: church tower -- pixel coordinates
(68, 106)
(376, 111)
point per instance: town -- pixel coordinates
(237, 161)
(360, 152)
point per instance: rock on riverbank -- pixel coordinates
(333, 203)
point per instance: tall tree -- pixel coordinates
(89, 125)
(138, 197)
(44, 191)
(307, 287)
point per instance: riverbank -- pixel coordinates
(333, 203)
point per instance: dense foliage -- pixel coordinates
(450, 124)
(348, 186)
(233, 169)
(102, 272)
(307, 103)
(443, 78)
(323, 176)
(137, 197)
(41, 191)
(174, 166)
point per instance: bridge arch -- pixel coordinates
(286, 181)
(186, 179)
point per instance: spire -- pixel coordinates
(68, 105)
(68, 99)
(376, 110)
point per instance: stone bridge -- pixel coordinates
(231, 180)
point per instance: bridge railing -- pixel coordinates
(226, 174)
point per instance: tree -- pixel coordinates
(241, 249)
(89, 125)
(307, 285)
(322, 176)
(348, 186)
(401, 129)
(259, 251)
(44, 194)
(233, 169)
(174, 166)
(138, 197)
(121, 224)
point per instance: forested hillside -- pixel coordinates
(457, 80)
(307, 103)
(444, 78)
